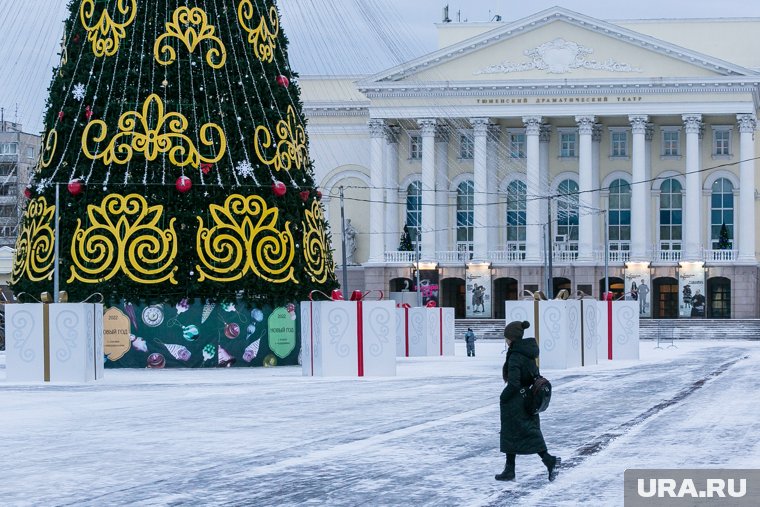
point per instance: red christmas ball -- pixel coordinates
(183, 184)
(319, 195)
(304, 195)
(283, 81)
(232, 330)
(75, 187)
(60, 115)
(279, 188)
(28, 193)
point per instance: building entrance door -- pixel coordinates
(719, 298)
(504, 289)
(665, 298)
(453, 296)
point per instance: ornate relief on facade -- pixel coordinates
(558, 56)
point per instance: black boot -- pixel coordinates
(552, 465)
(509, 470)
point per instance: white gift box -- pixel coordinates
(520, 310)
(594, 320)
(619, 336)
(425, 332)
(348, 338)
(70, 349)
(559, 333)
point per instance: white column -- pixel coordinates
(585, 186)
(596, 181)
(746, 233)
(544, 138)
(441, 188)
(427, 128)
(692, 203)
(392, 230)
(376, 192)
(533, 183)
(480, 164)
(649, 231)
(495, 156)
(639, 188)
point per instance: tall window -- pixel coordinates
(516, 213)
(671, 143)
(568, 143)
(671, 215)
(721, 210)
(414, 211)
(466, 146)
(465, 215)
(517, 145)
(567, 213)
(620, 215)
(415, 147)
(618, 143)
(721, 141)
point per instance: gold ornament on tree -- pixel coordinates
(291, 144)
(124, 237)
(106, 34)
(244, 238)
(48, 150)
(315, 251)
(152, 133)
(197, 29)
(264, 36)
(34, 256)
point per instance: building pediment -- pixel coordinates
(558, 44)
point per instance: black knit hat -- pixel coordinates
(514, 330)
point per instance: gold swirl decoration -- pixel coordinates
(64, 55)
(291, 144)
(318, 262)
(264, 36)
(244, 238)
(34, 256)
(190, 19)
(124, 237)
(152, 133)
(106, 34)
(48, 150)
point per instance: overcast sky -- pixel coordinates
(327, 36)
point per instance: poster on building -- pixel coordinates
(691, 290)
(478, 292)
(428, 286)
(637, 287)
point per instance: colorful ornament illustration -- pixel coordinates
(251, 329)
(257, 315)
(156, 360)
(225, 359)
(228, 307)
(190, 332)
(207, 309)
(179, 352)
(138, 343)
(251, 351)
(209, 351)
(153, 315)
(129, 309)
(232, 330)
(182, 306)
(291, 309)
(270, 360)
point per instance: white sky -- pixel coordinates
(331, 31)
(426, 437)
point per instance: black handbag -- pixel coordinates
(537, 396)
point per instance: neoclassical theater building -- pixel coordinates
(622, 151)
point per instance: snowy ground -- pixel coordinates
(428, 437)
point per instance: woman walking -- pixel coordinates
(521, 431)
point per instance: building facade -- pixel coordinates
(621, 154)
(18, 156)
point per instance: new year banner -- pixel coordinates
(691, 290)
(637, 288)
(478, 296)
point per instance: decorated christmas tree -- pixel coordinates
(176, 158)
(724, 242)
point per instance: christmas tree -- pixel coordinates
(723, 241)
(175, 140)
(405, 244)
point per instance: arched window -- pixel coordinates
(414, 211)
(722, 213)
(465, 215)
(671, 215)
(516, 212)
(619, 224)
(566, 236)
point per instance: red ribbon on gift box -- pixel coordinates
(360, 338)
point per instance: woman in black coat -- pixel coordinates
(520, 431)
